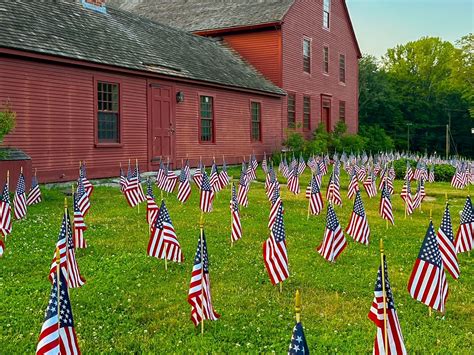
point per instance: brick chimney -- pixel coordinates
(95, 5)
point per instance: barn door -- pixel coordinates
(162, 123)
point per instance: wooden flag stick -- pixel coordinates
(58, 270)
(138, 177)
(231, 216)
(8, 191)
(201, 227)
(309, 200)
(298, 306)
(382, 268)
(281, 286)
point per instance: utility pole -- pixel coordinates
(408, 136)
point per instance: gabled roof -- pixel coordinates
(122, 39)
(199, 15)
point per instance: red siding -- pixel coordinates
(305, 20)
(55, 124)
(262, 49)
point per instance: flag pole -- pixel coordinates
(231, 215)
(201, 227)
(382, 268)
(298, 306)
(429, 308)
(138, 182)
(309, 200)
(58, 294)
(8, 191)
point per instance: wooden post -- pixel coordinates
(281, 286)
(298, 306)
(382, 267)
(58, 276)
(201, 227)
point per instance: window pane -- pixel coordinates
(207, 118)
(256, 117)
(326, 19)
(306, 112)
(291, 110)
(107, 127)
(108, 106)
(206, 130)
(342, 68)
(342, 110)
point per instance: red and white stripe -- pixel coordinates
(34, 196)
(353, 187)
(164, 244)
(236, 226)
(370, 186)
(5, 218)
(242, 195)
(48, 342)
(293, 183)
(448, 253)
(358, 228)
(19, 203)
(205, 201)
(152, 210)
(2, 246)
(385, 209)
(199, 296)
(79, 227)
(465, 238)
(170, 182)
(184, 191)
(276, 260)
(68, 264)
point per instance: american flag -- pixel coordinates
(315, 198)
(171, 180)
(83, 198)
(224, 176)
(446, 245)
(312, 163)
(123, 180)
(236, 226)
(353, 185)
(214, 178)
(420, 193)
(184, 187)
(134, 191)
(428, 281)
(409, 172)
(68, 264)
(83, 176)
(465, 233)
(264, 164)
(151, 206)
(323, 167)
(271, 182)
(163, 242)
(385, 208)
(394, 334)
(275, 206)
(406, 196)
(242, 194)
(298, 345)
(391, 173)
(294, 181)
(369, 185)
(161, 176)
(79, 226)
(34, 196)
(252, 169)
(419, 170)
(19, 200)
(5, 211)
(361, 173)
(431, 174)
(197, 177)
(283, 167)
(334, 241)
(207, 195)
(358, 227)
(58, 335)
(199, 295)
(301, 165)
(274, 251)
(333, 193)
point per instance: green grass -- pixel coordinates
(131, 304)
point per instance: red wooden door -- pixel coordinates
(162, 123)
(326, 113)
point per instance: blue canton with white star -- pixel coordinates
(388, 289)
(298, 343)
(278, 229)
(429, 251)
(197, 258)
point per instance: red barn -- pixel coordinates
(306, 47)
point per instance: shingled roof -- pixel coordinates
(123, 39)
(199, 15)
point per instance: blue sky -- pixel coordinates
(382, 24)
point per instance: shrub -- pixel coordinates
(400, 167)
(295, 142)
(444, 172)
(377, 139)
(352, 143)
(7, 119)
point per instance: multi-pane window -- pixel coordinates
(291, 111)
(256, 121)
(306, 112)
(108, 112)
(326, 10)
(342, 111)
(326, 60)
(207, 118)
(342, 68)
(307, 55)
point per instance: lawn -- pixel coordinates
(131, 304)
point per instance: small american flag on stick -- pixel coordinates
(313, 193)
(207, 195)
(235, 224)
(83, 176)
(184, 187)
(358, 227)
(334, 241)
(151, 206)
(224, 176)
(5, 210)
(79, 226)
(242, 194)
(385, 208)
(34, 196)
(19, 200)
(199, 295)
(427, 282)
(465, 233)
(446, 245)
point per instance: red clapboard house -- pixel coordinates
(93, 83)
(306, 47)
